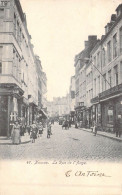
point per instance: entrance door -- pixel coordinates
(3, 115)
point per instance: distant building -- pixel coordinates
(72, 98)
(59, 106)
(81, 61)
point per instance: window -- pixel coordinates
(104, 82)
(15, 24)
(120, 39)
(103, 57)
(98, 58)
(109, 51)
(121, 71)
(116, 75)
(98, 84)
(110, 114)
(0, 67)
(17, 31)
(95, 60)
(114, 45)
(1, 19)
(1, 60)
(1, 12)
(95, 87)
(109, 77)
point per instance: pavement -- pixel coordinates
(77, 144)
(105, 134)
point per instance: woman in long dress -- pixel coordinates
(15, 134)
(34, 132)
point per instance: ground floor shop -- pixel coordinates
(107, 109)
(13, 106)
(10, 107)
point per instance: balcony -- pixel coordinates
(108, 93)
(111, 92)
(95, 100)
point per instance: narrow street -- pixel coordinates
(63, 144)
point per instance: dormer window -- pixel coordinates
(119, 10)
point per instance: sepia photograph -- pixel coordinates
(61, 97)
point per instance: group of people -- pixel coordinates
(35, 130)
(66, 124)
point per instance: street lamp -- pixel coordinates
(87, 59)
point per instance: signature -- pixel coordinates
(70, 173)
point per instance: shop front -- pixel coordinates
(107, 108)
(80, 115)
(9, 109)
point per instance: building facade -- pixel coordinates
(81, 63)
(18, 86)
(107, 95)
(98, 76)
(72, 98)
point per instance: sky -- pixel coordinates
(59, 29)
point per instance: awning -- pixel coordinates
(43, 113)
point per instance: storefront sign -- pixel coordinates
(110, 112)
(119, 116)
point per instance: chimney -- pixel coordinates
(102, 37)
(86, 44)
(119, 10)
(92, 39)
(108, 27)
(113, 17)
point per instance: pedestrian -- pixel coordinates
(34, 130)
(28, 129)
(15, 134)
(49, 130)
(40, 128)
(70, 122)
(94, 128)
(76, 125)
(117, 128)
(22, 129)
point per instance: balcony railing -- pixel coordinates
(112, 91)
(108, 93)
(95, 100)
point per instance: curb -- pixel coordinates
(113, 138)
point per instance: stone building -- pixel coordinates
(107, 83)
(72, 98)
(18, 75)
(42, 88)
(60, 106)
(80, 78)
(98, 76)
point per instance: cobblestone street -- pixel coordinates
(64, 144)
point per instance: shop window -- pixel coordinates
(110, 114)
